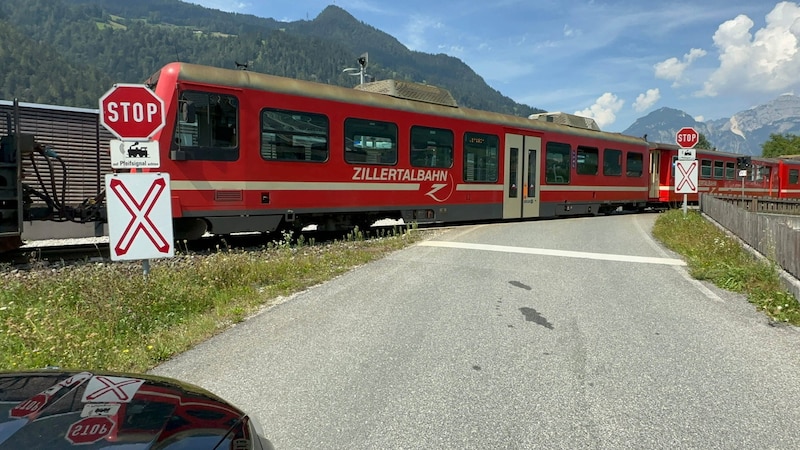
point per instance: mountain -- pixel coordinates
(69, 52)
(743, 133)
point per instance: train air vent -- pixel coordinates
(228, 196)
(410, 91)
(567, 119)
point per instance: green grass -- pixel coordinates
(714, 256)
(112, 317)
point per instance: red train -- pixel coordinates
(254, 152)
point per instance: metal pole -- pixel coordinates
(145, 262)
(685, 205)
(743, 205)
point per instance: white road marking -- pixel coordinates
(549, 252)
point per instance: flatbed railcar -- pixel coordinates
(254, 152)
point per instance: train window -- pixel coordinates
(634, 164)
(719, 169)
(761, 173)
(557, 156)
(293, 136)
(794, 176)
(730, 170)
(207, 127)
(587, 161)
(431, 147)
(767, 172)
(705, 168)
(370, 142)
(513, 172)
(481, 157)
(612, 162)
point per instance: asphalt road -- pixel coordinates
(575, 333)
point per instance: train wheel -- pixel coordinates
(189, 229)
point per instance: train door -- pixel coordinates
(655, 168)
(521, 167)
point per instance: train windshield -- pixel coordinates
(153, 80)
(207, 127)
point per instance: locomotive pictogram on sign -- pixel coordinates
(139, 216)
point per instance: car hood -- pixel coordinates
(55, 409)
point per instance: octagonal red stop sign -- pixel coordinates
(687, 137)
(132, 112)
(90, 429)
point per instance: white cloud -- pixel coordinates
(415, 31)
(604, 111)
(699, 118)
(223, 5)
(646, 100)
(673, 68)
(765, 62)
(571, 32)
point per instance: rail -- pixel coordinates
(771, 227)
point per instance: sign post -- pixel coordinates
(686, 166)
(134, 114)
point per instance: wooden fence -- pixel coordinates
(774, 234)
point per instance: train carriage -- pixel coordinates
(254, 152)
(719, 173)
(789, 177)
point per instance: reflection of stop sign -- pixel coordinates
(687, 137)
(89, 430)
(132, 112)
(29, 406)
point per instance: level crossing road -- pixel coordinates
(571, 333)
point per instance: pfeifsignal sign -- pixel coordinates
(139, 216)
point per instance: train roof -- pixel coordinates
(243, 79)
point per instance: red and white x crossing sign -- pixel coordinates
(107, 389)
(139, 216)
(686, 177)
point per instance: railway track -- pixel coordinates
(38, 254)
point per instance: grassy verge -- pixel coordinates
(714, 256)
(109, 316)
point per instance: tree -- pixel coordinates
(780, 145)
(703, 143)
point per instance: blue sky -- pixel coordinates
(614, 60)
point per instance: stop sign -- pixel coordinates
(132, 112)
(687, 137)
(30, 406)
(90, 429)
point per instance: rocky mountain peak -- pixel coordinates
(745, 132)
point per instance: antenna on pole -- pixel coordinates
(361, 71)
